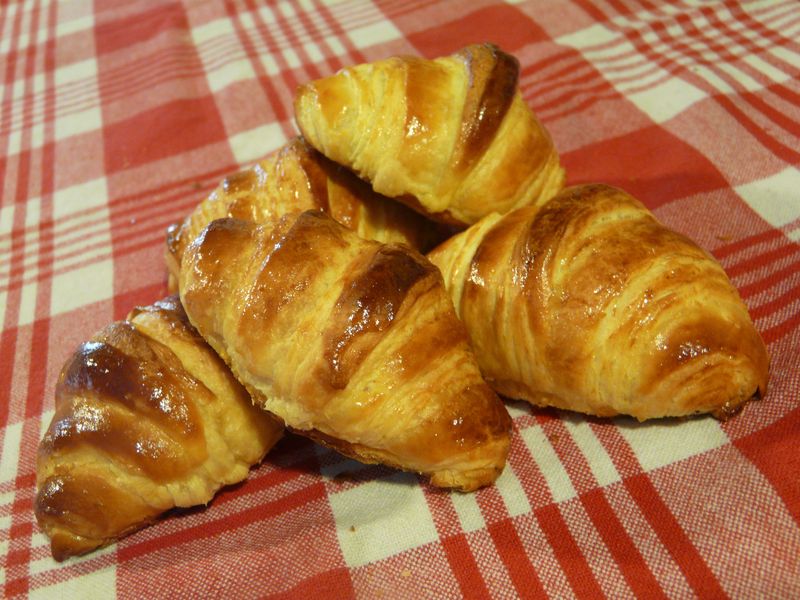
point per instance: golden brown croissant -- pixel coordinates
(351, 342)
(147, 418)
(296, 178)
(450, 137)
(589, 304)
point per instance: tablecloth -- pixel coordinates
(116, 117)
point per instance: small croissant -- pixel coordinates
(350, 342)
(588, 303)
(147, 418)
(295, 178)
(451, 137)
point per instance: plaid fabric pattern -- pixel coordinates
(116, 118)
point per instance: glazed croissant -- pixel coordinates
(147, 418)
(589, 304)
(351, 342)
(296, 178)
(450, 137)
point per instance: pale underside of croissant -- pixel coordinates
(147, 418)
(351, 342)
(590, 304)
(295, 178)
(451, 137)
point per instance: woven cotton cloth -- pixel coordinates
(116, 118)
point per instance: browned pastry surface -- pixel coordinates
(450, 137)
(590, 304)
(351, 342)
(147, 418)
(296, 178)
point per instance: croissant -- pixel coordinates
(147, 418)
(450, 137)
(352, 343)
(587, 303)
(297, 177)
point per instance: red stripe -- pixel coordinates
(626, 556)
(275, 49)
(180, 195)
(142, 242)
(454, 543)
(259, 512)
(773, 35)
(669, 531)
(615, 537)
(521, 460)
(493, 509)
(763, 260)
(40, 344)
(770, 280)
(743, 41)
(574, 59)
(570, 558)
(778, 149)
(657, 514)
(333, 62)
(354, 55)
(721, 49)
(566, 105)
(8, 87)
(773, 450)
(758, 132)
(8, 341)
(776, 304)
(620, 8)
(656, 57)
(573, 563)
(271, 479)
(281, 112)
(8, 337)
(330, 585)
(287, 28)
(74, 97)
(747, 242)
(464, 567)
(773, 334)
(146, 238)
(17, 587)
(570, 456)
(591, 9)
(444, 515)
(396, 9)
(68, 570)
(21, 527)
(512, 552)
(566, 102)
(617, 448)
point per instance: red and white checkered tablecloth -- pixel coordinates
(117, 117)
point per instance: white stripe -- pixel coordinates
(468, 511)
(7, 38)
(548, 462)
(512, 493)
(593, 451)
(660, 443)
(11, 442)
(766, 69)
(27, 303)
(742, 78)
(94, 584)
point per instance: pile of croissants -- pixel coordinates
(374, 285)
